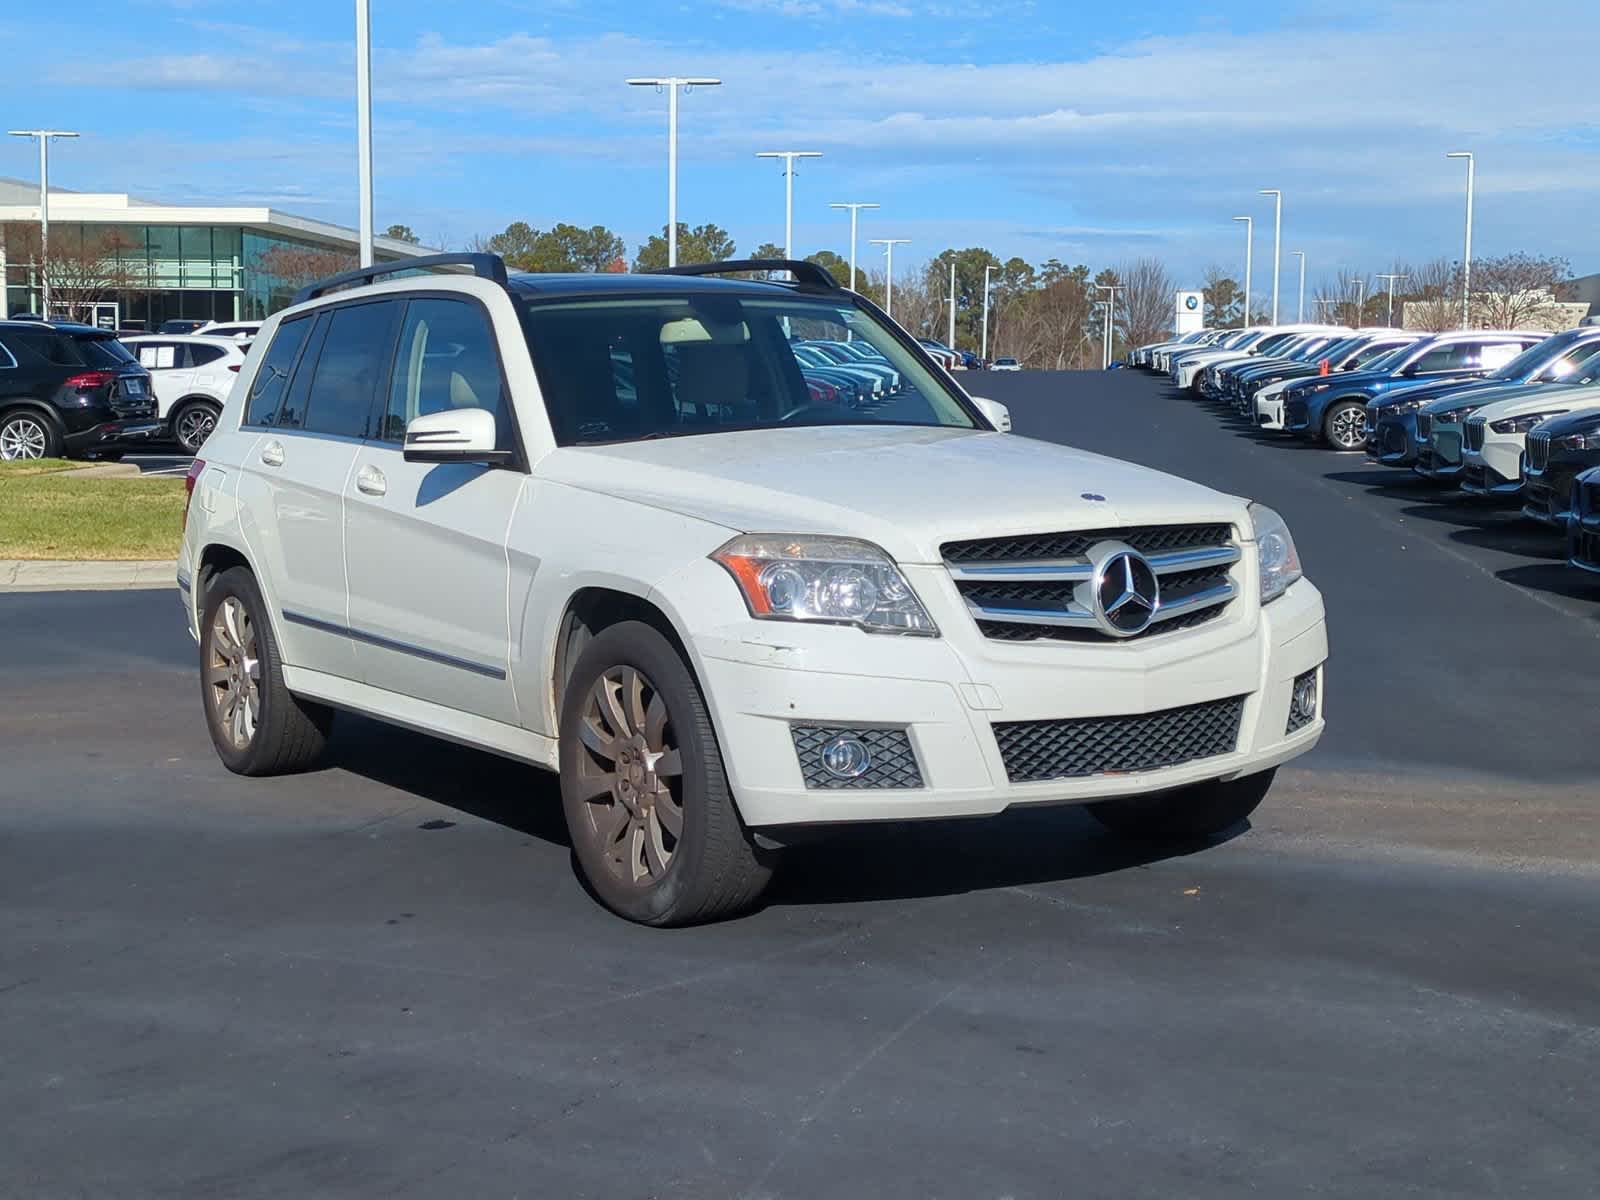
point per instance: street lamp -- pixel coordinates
(984, 354)
(672, 83)
(1111, 308)
(888, 245)
(855, 209)
(364, 127)
(1300, 308)
(1249, 251)
(952, 303)
(788, 157)
(1277, 243)
(1361, 300)
(1391, 276)
(44, 136)
(1466, 257)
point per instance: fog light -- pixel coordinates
(1303, 701)
(846, 757)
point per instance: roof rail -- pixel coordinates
(484, 266)
(807, 274)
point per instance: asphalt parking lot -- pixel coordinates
(381, 979)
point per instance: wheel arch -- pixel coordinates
(588, 611)
(11, 404)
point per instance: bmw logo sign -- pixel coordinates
(1191, 302)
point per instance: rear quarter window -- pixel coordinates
(272, 377)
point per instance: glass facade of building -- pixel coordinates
(155, 273)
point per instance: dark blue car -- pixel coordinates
(1334, 408)
(1395, 440)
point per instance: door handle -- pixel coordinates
(370, 481)
(272, 454)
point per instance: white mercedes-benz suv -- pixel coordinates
(598, 523)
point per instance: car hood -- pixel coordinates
(907, 489)
(1441, 399)
(1560, 399)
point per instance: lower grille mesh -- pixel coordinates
(1040, 750)
(893, 762)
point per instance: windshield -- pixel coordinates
(618, 370)
(1527, 363)
(1390, 360)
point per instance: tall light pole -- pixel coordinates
(984, 353)
(855, 209)
(788, 157)
(672, 83)
(44, 136)
(888, 245)
(952, 304)
(1361, 300)
(1277, 243)
(1249, 252)
(1466, 257)
(1300, 309)
(1391, 276)
(1110, 318)
(364, 126)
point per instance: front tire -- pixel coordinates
(257, 726)
(1345, 426)
(1199, 811)
(654, 828)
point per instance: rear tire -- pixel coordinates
(655, 832)
(1345, 426)
(26, 434)
(257, 725)
(1200, 811)
(192, 424)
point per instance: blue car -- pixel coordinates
(1397, 440)
(1353, 353)
(1334, 408)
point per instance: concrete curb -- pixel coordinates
(25, 575)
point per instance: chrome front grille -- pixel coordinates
(1424, 425)
(1538, 451)
(1474, 433)
(1044, 585)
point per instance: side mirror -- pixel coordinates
(457, 435)
(995, 413)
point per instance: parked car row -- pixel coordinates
(74, 390)
(1509, 415)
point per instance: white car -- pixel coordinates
(1005, 364)
(1266, 340)
(1493, 437)
(723, 612)
(239, 331)
(191, 377)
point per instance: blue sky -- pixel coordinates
(1090, 133)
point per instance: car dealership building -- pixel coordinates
(124, 262)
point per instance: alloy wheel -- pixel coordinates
(1349, 428)
(22, 437)
(630, 777)
(194, 426)
(233, 673)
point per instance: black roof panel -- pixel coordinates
(641, 284)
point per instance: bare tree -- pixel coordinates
(85, 267)
(1517, 291)
(1145, 304)
(1432, 296)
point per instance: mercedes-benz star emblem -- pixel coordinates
(1126, 594)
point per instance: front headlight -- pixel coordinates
(1399, 407)
(834, 580)
(1319, 387)
(1521, 424)
(1275, 550)
(1580, 441)
(1456, 415)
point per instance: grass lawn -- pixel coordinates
(55, 514)
(36, 466)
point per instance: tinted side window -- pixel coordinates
(267, 388)
(7, 359)
(1440, 358)
(348, 369)
(446, 358)
(199, 356)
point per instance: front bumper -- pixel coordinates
(1269, 410)
(761, 685)
(1496, 470)
(1393, 441)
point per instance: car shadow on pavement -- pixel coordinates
(475, 782)
(920, 859)
(1557, 579)
(1399, 485)
(902, 860)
